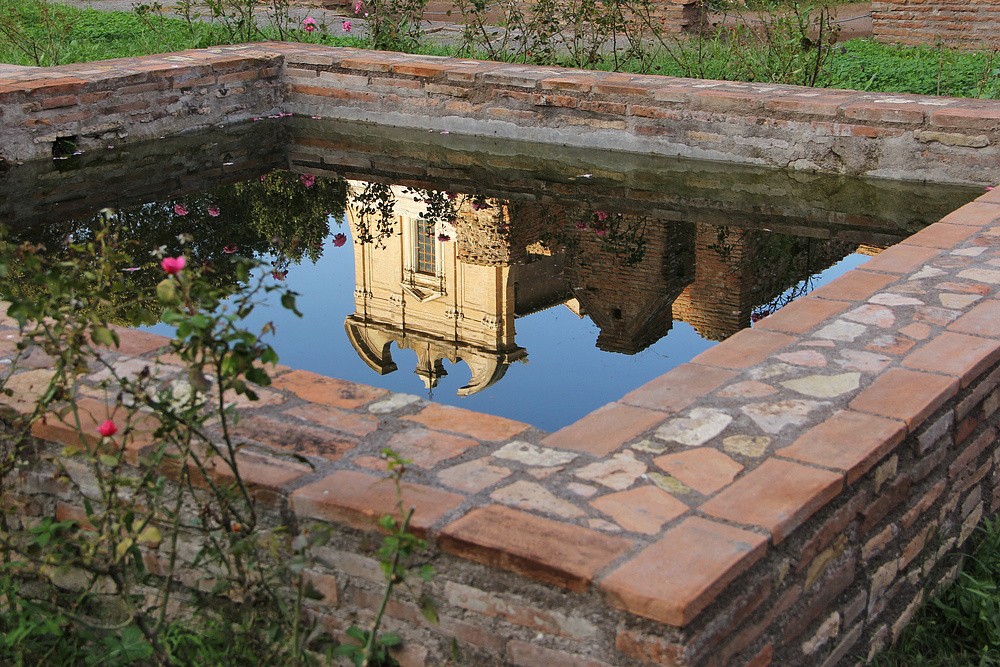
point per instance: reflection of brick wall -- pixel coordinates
(716, 304)
(734, 273)
(631, 302)
(958, 24)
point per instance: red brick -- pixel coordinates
(577, 83)
(474, 424)
(727, 101)
(886, 113)
(597, 106)
(644, 509)
(324, 584)
(327, 391)
(524, 654)
(262, 472)
(134, 342)
(337, 419)
(888, 500)
(423, 70)
(58, 101)
(980, 321)
(802, 315)
(292, 438)
(837, 581)
(966, 119)
(831, 529)
(672, 580)
(543, 620)
(968, 456)
(58, 86)
(745, 637)
(371, 62)
(604, 430)
(854, 285)
(778, 495)
(900, 258)
(819, 105)
(66, 512)
(649, 648)
(906, 395)
(359, 500)
(848, 441)
(763, 657)
(428, 448)
(941, 235)
(975, 214)
(966, 357)
(925, 502)
(744, 349)
(704, 469)
(679, 388)
(555, 553)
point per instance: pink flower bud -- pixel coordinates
(173, 265)
(107, 429)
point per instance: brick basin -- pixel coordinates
(756, 505)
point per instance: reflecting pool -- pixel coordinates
(532, 282)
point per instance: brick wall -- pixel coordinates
(952, 23)
(882, 135)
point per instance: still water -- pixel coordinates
(531, 282)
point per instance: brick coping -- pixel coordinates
(698, 474)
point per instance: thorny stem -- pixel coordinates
(390, 584)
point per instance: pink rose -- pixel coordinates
(346, 26)
(213, 211)
(107, 429)
(173, 265)
(309, 24)
(180, 209)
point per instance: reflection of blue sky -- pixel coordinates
(565, 378)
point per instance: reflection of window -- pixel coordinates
(425, 248)
(423, 275)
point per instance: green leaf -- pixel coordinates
(166, 291)
(288, 302)
(104, 336)
(389, 639)
(428, 609)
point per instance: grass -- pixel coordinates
(960, 626)
(39, 33)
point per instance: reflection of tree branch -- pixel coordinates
(374, 199)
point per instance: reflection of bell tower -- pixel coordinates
(423, 288)
(624, 270)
